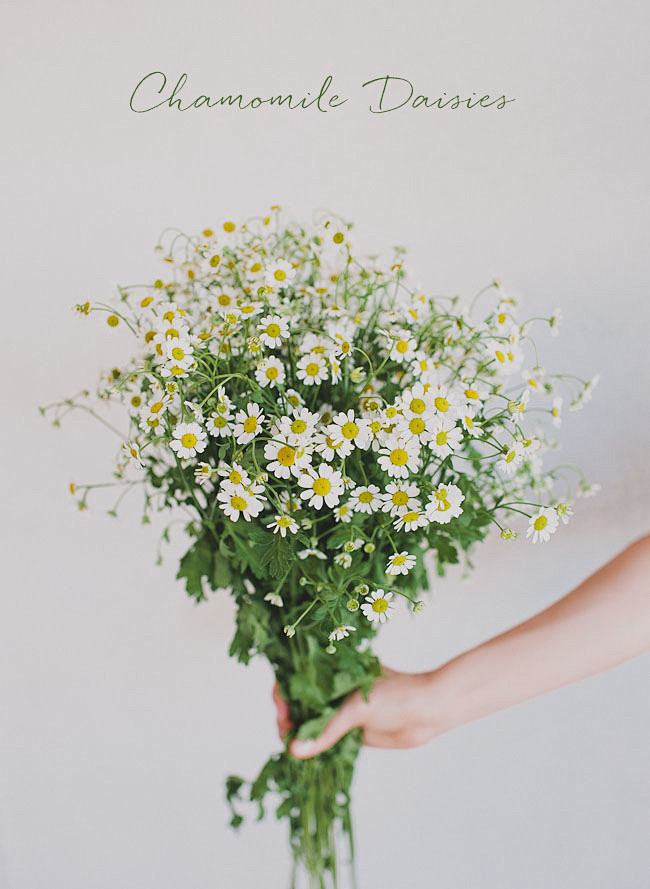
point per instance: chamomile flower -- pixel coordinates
(312, 369)
(316, 553)
(469, 424)
(378, 606)
(343, 513)
(351, 431)
(399, 497)
(410, 519)
(417, 428)
(446, 438)
(273, 329)
(400, 563)
(564, 512)
(270, 372)
(279, 274)
(131, 450)
(322, 486)
(299, 427)
(283, 524)
(285, 459)
(237, 501)
(189, 440)
(444, 504)
(416, 402)
(542, 525)
(219, 424)
(511, 460)
(234, 473)
(399, 457)
(202, 473)
(274, 599)
(403, 347)
(366, 499)
(343, 560)
(556, 411)
(342, 632)
(179, 352)
(248, 423)
(327, 446)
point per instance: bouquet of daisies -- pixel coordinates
(329, 432)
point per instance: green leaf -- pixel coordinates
(194, 566)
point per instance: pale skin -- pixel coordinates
(600, 624)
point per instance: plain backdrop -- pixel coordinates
(120, 712)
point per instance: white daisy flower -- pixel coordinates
(218, 424)
(189, 440)
(410, 520)
(351, 431)
(399, 497)
(248, 423)
(446, 438)
(444, 504)
(273, 330)
(326, 446)
(511, 460)
(336, 371)
(344, 560)
(283, 523)
(343, 513)
(399, 457)
(234, 473)
(270, 372)
(274, 599)
(131, 450)
(416, 402)
(377, 606)
(203, 473)
(400, 563)
(316, 553)
(474, 430)
(418, 428)
(473, 394)
(365, 499)
(284, 459)
(236, 501)
(556, 412)
(249, 309)
(279, 274)
(312, 369)
(294, 398)
(322, 486)
(542, 525)
(299, 427)
(564, 512)
(341, 632)
(180, 352)
(403, 347)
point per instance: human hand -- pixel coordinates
(400, 712)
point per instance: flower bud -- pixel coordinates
(290, 631)
(369, 547)
(352, 605)
(331, 649)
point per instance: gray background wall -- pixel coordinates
(120, 712)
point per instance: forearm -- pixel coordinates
(603, 622)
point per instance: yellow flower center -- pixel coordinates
(417, 406)
(238, 503)
(471, 393)
(235, 477)
(177, 371)
(219, 422)
(338, 238)
(332, 444)
(312, 369)
(171, 333)
(322, 486)
(112, 320)
(273, 330)
(500, 356)
(349, 430)
(540, 522)
(279, 274)
(247, 309)
(229, 226)
(223, 299)
(510, 456)
(399, 560)
(286, 456)
(156, 407)
(188, 440)
(298, 427)
(215, 260)
(400, 498)
(402, 346)
(441, 438)
(256, 267)
(178, 353)
(250, 424)
(441, 404)
(501, 317)
(271, 372)
(417, 426)
(365, 497)
(380, 605)
(136, 401)
(409, 517)
(284, 521)
(399, 457)
(391, 412)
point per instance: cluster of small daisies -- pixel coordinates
(283, 383)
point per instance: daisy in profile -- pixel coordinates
(189, 440)
(236, 501)
(542, 525)
(341, 632)
(248, 423)
(378, 606)
(321, 486)
(131, 450)
(203, 473)
(400, 563)
(410, 520)
(365, 498)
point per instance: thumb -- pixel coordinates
(346, 718)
